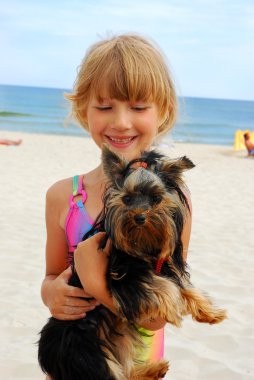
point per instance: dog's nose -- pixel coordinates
(140, 218)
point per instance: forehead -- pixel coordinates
(110, 90)
(142, 178)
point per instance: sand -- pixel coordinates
(221, 254)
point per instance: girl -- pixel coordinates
(123, 96)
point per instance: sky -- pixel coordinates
(209, 44)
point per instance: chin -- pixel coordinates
(129, 153)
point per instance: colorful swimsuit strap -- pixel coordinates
(76, 185)
(77, 189)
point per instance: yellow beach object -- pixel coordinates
(239, 139)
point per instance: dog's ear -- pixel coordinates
(113, 165)
(171, 170)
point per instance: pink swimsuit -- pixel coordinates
(77, 224)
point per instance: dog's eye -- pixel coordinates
(156, 199)
(127, 199)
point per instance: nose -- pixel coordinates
(140, 218)
(121, 120)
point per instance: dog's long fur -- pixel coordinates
(144, 214)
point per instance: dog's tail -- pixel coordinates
(71, 350)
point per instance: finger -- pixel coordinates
(94, 240)
(79, 302)
(98, 237)
(69, 317)
(73, 310)
(66, 275)
(77, 292)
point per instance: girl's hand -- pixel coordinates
(64, 301)
(91, 265)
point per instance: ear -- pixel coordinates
(184, 163)
(113, 165)
(171, 170)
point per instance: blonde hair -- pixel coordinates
(129, 68)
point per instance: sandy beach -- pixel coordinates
(221, 256)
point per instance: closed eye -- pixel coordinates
(104, 108)
(140, 108)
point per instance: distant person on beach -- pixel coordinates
(10, 142)
(124, 96)
(248, 144)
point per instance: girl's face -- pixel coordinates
(128, 128)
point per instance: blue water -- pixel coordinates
(44, 110)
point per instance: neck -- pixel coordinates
(95, 180)
(98, 176)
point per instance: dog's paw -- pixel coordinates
(164, 367)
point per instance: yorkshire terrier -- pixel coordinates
(145, 208)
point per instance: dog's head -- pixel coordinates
(145, 207)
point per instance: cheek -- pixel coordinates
(93, 119)
(95, 131)
(94, 124)
(150, 128)
(151, 122)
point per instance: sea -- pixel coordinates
(200, 120)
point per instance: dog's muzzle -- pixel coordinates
(140, 218)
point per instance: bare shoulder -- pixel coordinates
(59, 190)
(61, 185)
(57, 203)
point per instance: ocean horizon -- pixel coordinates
(200, 120)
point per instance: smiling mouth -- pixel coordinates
(121, 140)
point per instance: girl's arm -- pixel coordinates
(91, 265)
(62, 300)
